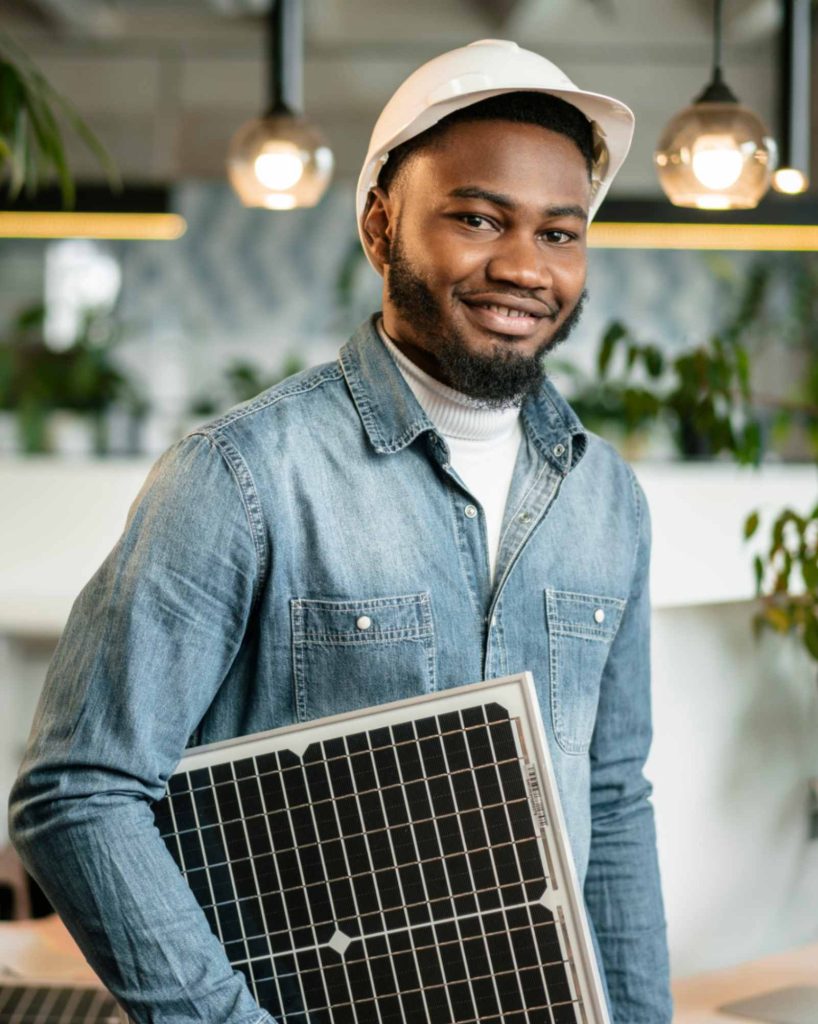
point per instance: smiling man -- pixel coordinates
(479, 231)
(425, 512)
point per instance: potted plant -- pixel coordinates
(77, 385)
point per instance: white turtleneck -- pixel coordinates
(483, 442)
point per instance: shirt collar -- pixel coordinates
(393, 418)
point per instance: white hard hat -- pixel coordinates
(475, 72)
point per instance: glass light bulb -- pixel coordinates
(715, 156)
(279, 162)
(716, 161)
(279, 165)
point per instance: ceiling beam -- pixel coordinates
(497, 12)
(95, 19)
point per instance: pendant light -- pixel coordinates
(715, 154)
(792, 175)
(280, 161)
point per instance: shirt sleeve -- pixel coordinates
(622, 886)
(148, 643)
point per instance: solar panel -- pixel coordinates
(40, 1002)
(397, 864)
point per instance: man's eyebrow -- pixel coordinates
(507, 203)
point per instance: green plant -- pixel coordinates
(31, 141)
(37, 380)
(703, 393)
(787, 576)
(707, 396)
(243, 381)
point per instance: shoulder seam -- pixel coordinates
(274, 395)
(246, 486)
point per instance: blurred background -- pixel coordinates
(697, 356)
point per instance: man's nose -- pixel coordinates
(522, 261)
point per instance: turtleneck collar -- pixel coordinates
(454, 414)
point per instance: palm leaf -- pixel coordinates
(103, 157)
(30, 135)
(49, 139)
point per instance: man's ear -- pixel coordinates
(376, 226)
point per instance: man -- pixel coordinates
(425, 512)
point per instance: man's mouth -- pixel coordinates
(520, 319)
(505, 310)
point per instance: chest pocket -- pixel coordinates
(581, 628)
(356, 653)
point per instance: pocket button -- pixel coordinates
(363, 622)
(599, 615)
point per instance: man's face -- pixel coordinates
(484, 242)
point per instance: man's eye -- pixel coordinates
(475, 220)
(560, 237)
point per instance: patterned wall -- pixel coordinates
(261, 286)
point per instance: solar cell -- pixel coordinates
(402, 863)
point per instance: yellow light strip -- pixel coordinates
(126, 226)
(758, 237)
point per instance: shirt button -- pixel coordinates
(470, 511)
(363, 622)
(558, 449)
(524, 517)
(599, 615)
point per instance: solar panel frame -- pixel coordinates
(249, 818)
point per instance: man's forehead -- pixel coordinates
(527, 166)
(502, 144)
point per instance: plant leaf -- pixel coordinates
(811, 636)
(758, 567)
(751, 524)
(91, 141)
(615, 332)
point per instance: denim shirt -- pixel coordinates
(229, 606)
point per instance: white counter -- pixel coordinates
(59, 518)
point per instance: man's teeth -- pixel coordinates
(505, 310)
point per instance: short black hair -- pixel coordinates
(521, 107)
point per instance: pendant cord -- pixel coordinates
(272, 36)
(717, 6)
(285, 50)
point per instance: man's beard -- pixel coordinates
(499, 380)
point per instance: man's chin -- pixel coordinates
(497, 378)
(487, 344)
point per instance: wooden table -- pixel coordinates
(42, 950)
(697, 997)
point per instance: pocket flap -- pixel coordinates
(591, 616)
(407, 616)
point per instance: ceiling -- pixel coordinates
(165, 84)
